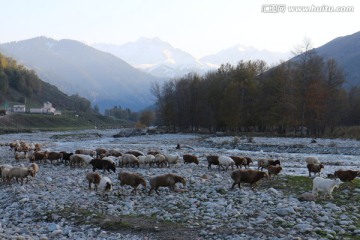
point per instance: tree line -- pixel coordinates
(303, 95)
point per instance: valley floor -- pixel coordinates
(57, 204)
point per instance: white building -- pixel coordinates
(47, 108)
(19, 108)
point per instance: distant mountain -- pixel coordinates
(159, 58)
(156, 57)
(346, 51)
(234, 54)
(76, 68)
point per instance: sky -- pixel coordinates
(200, 27)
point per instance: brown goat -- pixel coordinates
(247, 162)
(212, 160)
(315, 168)
(247, 176)
(100, 152)
(190, 159)
(239, 161)
(54, 156)
(131, 179)
(94, 178)
(39, 156)
(166, 180)
(346, 175)
(275, 170)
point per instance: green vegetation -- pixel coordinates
(26, 122)
(300, 97)
(19, 85)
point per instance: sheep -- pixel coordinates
(37, 147)
(38, 156)
(212, 160)
(346, 175)
(264, 163)
(5, 174)
(315, 168)
(114, 152)
(102, 164)
(23, 147)
(55, 156)
(86, 158)
(136, 153)
(227, 162)
(239, 161)
(166, 180)
(149, 159)
(247, 176)
(312, 160)
(160, 160)
(111, 159)
(100, 151)
(172, 158)
(66, 156)
(21, 155)
(33, 166)
(274, 170)
(105, 185)
(93, 178)
(128, 159)
(131, 179)
(247, 162)
(190, 159)
(141, 160)
(14, 145)
(75, 159)
(325, 185)
(86, 152)
(153, 152)
(20, 172)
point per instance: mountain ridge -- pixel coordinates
(160, 58)
(77, 68)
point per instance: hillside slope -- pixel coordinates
(346, 51)
(76, 68)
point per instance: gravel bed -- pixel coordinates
(57, 204)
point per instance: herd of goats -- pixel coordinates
(107, 160)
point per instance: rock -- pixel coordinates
(48, 179)
(307, 196)
(285, 211)
(52, 227)
(273, 191)
(303, 227)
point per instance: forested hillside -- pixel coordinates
(306, 94)
(19, 85)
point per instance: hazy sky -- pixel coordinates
(199, 27)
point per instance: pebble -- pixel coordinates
(32, 211)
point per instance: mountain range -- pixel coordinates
(121, 75)
(159, 58)
(76, 68)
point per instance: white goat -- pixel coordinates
(325, 185)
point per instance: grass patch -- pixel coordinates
(299, 184)
(27, 122)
